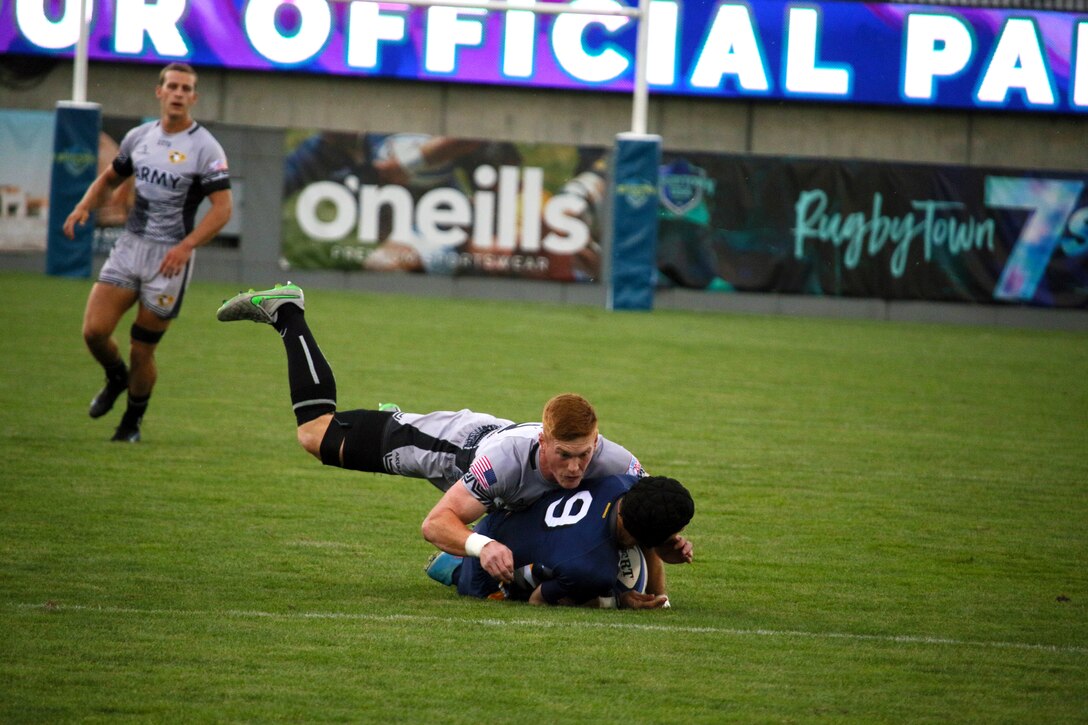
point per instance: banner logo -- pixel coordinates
(1052, 204)
(76, 159)
(636, 192)
(684, 186)
(409, 202)
(937, 222)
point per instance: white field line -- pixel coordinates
(538, 623)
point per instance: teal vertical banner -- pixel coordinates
(635, 165)
(75, 166)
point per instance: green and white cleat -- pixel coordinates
(260, 305)
(389, 407)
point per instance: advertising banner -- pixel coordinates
(26, 162)
(441, 205)
(75, 166)
(860, 229)
(26, 152)
(895, 54)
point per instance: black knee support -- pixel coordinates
(146, 336)
(359, 433)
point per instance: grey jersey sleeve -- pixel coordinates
(496, 473)
(212, 169)
(122, 164)
(612, 459)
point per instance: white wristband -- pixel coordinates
(476, 543)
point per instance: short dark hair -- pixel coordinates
(655, 509)
(181, 68)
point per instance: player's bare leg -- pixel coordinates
(105, 306)
(144, 370)
(312, 432)
(347, 439)
(146, 333)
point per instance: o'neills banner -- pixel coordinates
(892, 231)
(441, 205)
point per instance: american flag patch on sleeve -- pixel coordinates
(482, 471)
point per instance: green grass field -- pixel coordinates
(891, 523)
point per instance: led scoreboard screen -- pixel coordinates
(849, 52)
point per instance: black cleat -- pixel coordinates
(125, 434)
(103, 402)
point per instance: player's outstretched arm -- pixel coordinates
(655, 573)
(95, 196)
(446, 526)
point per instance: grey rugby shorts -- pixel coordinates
(134, 264)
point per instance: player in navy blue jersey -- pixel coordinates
(175, 163)
(566, 545)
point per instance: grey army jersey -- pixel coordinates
(505, 472)
(173, 173)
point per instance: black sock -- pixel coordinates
(313, 387)
(135, 411)
(117, 374)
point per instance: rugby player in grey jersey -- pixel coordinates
(175, 163)
(480, 462)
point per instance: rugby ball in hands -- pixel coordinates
(632, 571)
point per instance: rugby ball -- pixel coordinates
(407, 148)
(632, 571)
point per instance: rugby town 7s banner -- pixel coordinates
(862, 229)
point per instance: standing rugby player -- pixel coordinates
(175, 163)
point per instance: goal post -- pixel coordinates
(77, 124)
(631, 240)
